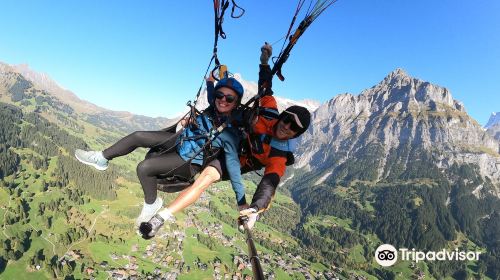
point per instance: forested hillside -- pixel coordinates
(62, 219)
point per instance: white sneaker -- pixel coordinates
(92, 158)
(148, 211)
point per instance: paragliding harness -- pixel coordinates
(171, 182)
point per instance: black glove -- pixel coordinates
(265, 80)
(149, 229)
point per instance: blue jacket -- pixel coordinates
(192, 140)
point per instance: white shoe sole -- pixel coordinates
(91, 164)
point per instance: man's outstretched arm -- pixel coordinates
(265, 192)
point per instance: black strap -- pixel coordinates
(267, 139)
(234, 8)
(220, 8)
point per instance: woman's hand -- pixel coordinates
(186, 121)
(210, 78)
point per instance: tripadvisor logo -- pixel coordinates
(387, 255)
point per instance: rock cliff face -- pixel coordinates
(389, 127)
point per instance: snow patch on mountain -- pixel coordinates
(323, 178)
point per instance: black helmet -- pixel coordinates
(301, 117)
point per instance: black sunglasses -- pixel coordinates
(229, 98)
(289, 119)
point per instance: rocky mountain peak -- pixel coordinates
(4, 68)
(410, 94)
(42, 80)
(395, 76)
(399, 116)
(493, 127)
(494, 120)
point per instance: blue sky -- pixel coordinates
(148, 57)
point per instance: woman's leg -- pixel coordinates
(145, 139)
(148, 169)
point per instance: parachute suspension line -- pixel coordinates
(297, 10)
(313, 12)
(220, 7)
(320, 8)
(279, 40)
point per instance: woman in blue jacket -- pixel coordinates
(223, 102)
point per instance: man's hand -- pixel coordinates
(266, 52)
(252, 215)
(148, 230)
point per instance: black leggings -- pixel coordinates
(154, 164)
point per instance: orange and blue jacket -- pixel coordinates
(267, 152)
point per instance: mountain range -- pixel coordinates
(402, 160)
(20, 79)
(402, 155)
(396, 118)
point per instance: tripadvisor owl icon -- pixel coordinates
(386, 255)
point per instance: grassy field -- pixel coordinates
(20, 270)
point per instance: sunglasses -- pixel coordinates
(229, 98)
(293, 120)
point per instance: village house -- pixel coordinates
(104, 264)
(89, 270)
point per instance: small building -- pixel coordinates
(89, 270)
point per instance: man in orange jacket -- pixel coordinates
(271, 142)
(269, 145)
